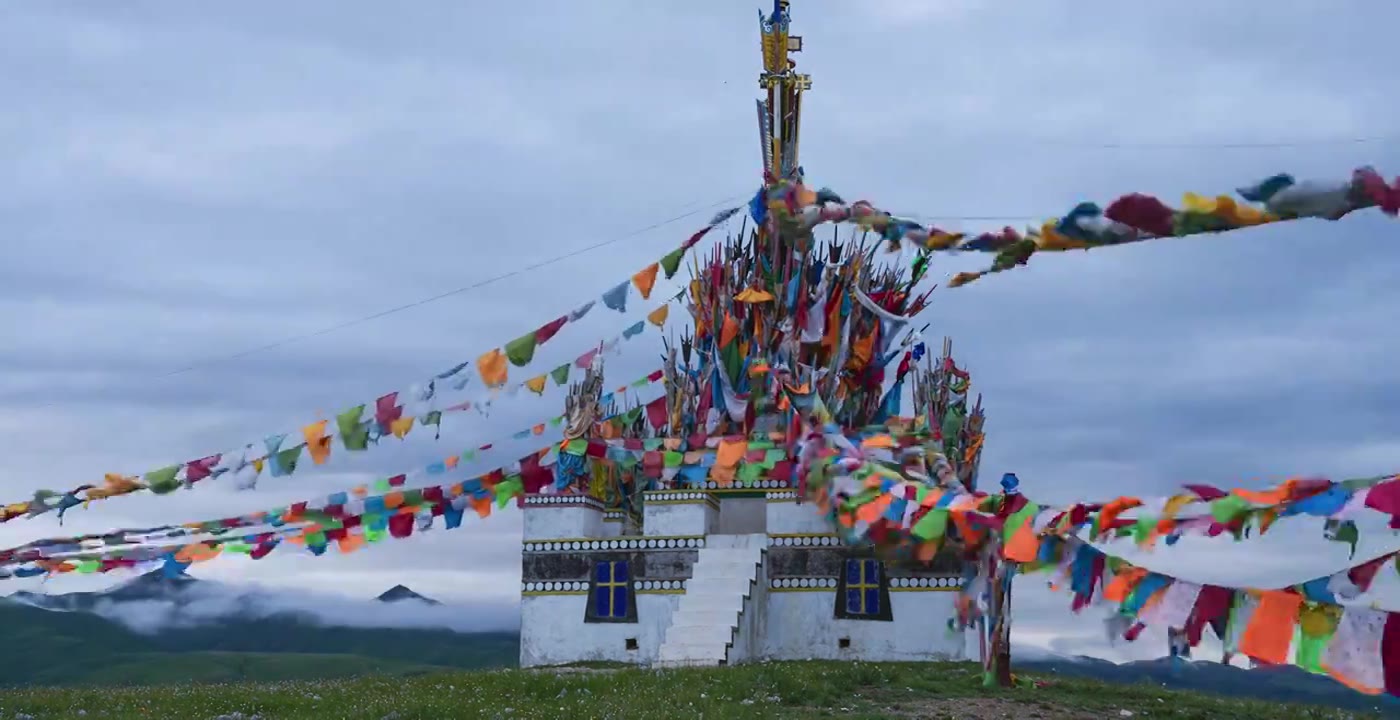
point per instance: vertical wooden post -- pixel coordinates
(1003, 659)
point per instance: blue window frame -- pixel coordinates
(862, 586)
(610, 589)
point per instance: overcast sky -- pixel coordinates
(186, 181)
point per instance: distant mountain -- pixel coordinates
(399, 593)
(88, 637)
(1284, 683)
(153, 585)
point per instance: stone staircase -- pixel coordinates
(708, 616)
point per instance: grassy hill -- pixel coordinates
(76, 648)
(788, 690)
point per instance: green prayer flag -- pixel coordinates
(432, 418)
(287, 459)
(1228, 508)
(1343, 531)
(353, 434)
(651, 443)
(775, 456)
(1142, 529)
(560, 374)
(413, 497)
(748, 473)
(932, 526)
(556, 421)
(238, 547)
(631, 416)
(382, 486)
(673, 459)
(521, 350)
(315, 538)
(671, 262)
(1019, 518)
(577, 446)
(163, 481)
(375, 534)
(509, 488)
(640, 382)
(89, 566)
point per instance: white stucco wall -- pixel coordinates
(549, 522)
(552, 630)
(800, 626)
(753, 622)
(791, 518)
(742, 516)
(662, 519)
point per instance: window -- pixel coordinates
(863, 592)
(612, 599)
(862, 586)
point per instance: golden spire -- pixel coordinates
(779, 115)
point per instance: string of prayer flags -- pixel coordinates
(1320, 625)
(355, 433)
(856, 486)
(287, 459)
(1131, 218)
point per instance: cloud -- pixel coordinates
(210, 603)
(183, 184)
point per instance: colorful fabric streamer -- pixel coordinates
(1131, 218)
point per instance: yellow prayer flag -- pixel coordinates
(400, 426)
(317, 444)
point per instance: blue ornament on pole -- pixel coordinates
(1010, 484)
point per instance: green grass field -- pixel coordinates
(796, 690)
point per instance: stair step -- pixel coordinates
(688, 652)
(709, 613)
(717, 635)
(736, 541)
(715, 618)
(723, 569)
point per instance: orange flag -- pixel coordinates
(1270, 630)
(646, 279)
(317, 444)
(728, 331)
(492, 367)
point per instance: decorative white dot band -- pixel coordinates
(678, 497)
(536, 501)
(782, 496)
(803, 541)
(660, 585)
(638, 543)
(807, 583)
(580, 587)
(924, 583)
(755, 485)
(573, 587)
